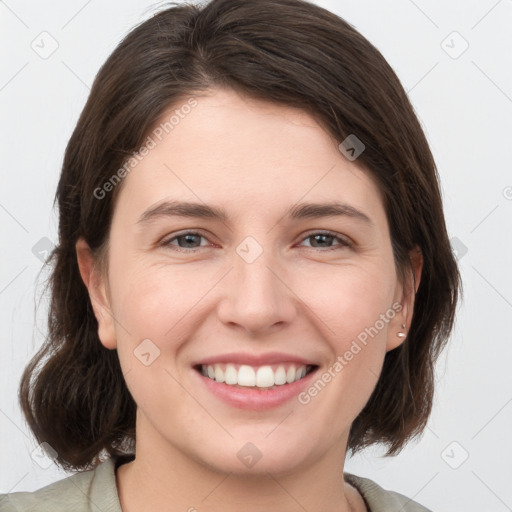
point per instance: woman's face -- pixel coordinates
(259, 281)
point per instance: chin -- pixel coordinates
(256, 455)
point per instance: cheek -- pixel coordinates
(154, 305)
(157, 301)
(355, 336)
(352, 310)
(346, 300)
(153, 302)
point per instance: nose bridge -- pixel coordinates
(257, 297)
(253, 264)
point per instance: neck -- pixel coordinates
(166, 479)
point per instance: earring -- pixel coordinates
(402, 334)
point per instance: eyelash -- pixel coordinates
(344, 244)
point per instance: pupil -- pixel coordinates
(188, 237)
(315, 237)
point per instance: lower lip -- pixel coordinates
(252, 398)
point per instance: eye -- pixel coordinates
(326, 237)
(185, 241)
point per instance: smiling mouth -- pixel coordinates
(266, 377)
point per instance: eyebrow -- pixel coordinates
(204, 211)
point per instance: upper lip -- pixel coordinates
(254, 359)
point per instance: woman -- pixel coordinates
(206, 351)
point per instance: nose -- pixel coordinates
(258, 295)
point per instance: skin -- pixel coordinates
(300, 296)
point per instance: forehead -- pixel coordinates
(247, 155)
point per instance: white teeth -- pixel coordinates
(247, 376)
(231, 375)
(280, 376)
(265, 377)
(219, 374)
(290, 375)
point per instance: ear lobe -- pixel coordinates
(96, 286)
(410, 287)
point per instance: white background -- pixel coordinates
(465, 107)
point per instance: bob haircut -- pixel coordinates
(289, 52)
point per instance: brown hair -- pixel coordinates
(291, 52)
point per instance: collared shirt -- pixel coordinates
(96, 491)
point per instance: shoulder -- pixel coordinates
(94, 489)
(382, 500)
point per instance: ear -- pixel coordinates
(96, 285)
(406, 295)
